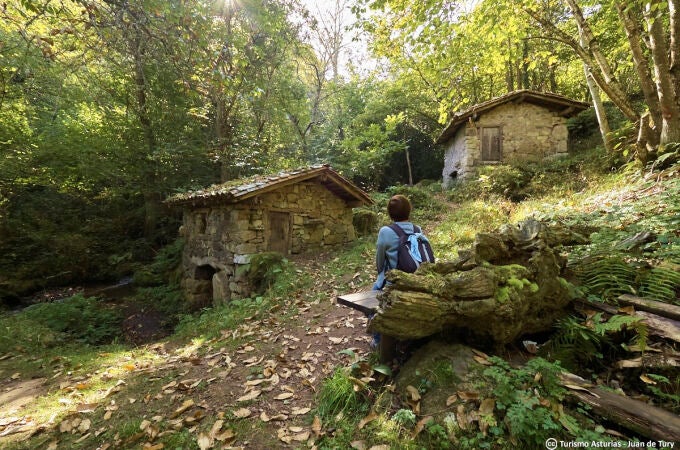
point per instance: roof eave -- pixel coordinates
(571, 107)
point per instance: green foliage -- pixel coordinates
(607, 276)
(661, 284)
(337, 394)
(666, 389)
(578, 343)
(78, 318)
(405, 418)
(435, 437)
(505, 180)
(574, 344)
(225, 317)
(265, 269)
(167, 299)
(18, 332)
(425, 205)
(164, 266)
(524, 396)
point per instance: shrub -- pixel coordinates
(405, 417)
(505, 180)
(161, 269)
(365, 221)
(265, 268)
(18, 332)
(425, 204)
(84, 319)
(167, 299)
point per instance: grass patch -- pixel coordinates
(459, 228)
(82, 319)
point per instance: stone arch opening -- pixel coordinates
(203, 275)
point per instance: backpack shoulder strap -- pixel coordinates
(397, 229)
(416, 229)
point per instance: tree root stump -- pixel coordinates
(510, 283)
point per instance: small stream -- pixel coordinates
(123, 288)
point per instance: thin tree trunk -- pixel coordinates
(408, 164)
(674, 13)
(600, 112)
(553, 79)
(634, 34)
(525, 65)
(151, 196)
(509, 75)
(667, 91)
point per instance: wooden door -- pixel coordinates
(279, 232)
(491, 144)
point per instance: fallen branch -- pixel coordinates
(657, 360)
(657, 325)
(639, 417)
(655, 307)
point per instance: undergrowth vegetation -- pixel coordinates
(78, 319)
(634, 248)
(631, 222)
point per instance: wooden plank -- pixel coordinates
(652, 306)
(642, 418)
(366, 301)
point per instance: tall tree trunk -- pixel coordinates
(667, 90)
(509, 75)
(408, 165)
(608, 82)
(600, 112)
(525, 65)
(674, 13)
(151, 196)
(634, 34)
(553, 79)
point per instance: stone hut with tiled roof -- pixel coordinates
(289, 212)
(521, 125)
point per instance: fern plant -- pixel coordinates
(577, 342)
(661, 284)
(607, 277)
(574, 343)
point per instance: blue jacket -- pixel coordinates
(386, 251)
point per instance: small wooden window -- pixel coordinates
(491, 143)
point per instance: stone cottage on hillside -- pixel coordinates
(290, 212)
(521, 125)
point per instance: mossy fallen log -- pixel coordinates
(510, 283)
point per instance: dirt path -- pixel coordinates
(260, 393)
(269, 383)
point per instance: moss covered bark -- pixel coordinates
(510, 283)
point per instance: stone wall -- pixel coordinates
(529, 132)
(458, 162)
(220, 239)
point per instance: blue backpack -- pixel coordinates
(414, 249)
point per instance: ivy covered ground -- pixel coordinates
(288, 368)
